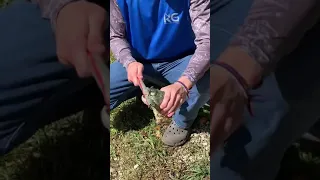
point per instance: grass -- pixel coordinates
(138, 153)
(71, 148)
(136, 150)
(3, 3)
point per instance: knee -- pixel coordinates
(202, 88)
(117, 74)
(268, 116)
(281, 106)
(198, 98)
(268, 100)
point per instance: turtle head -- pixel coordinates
(154, 97)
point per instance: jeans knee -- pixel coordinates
(199, 94)
(198, 99)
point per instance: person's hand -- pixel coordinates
(227, 104)
(134, 71)
(80, 27)
(175, 95)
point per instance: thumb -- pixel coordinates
(96, 33)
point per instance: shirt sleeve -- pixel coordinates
(200, 19)
(51, 8)
(118, 43)
(273, 28)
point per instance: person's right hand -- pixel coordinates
(134, 71)
(80, 27)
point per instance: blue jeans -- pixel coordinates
(167, 72)
(35, 89)
(255, 150)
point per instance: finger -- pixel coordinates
(80, 58)
(63, 53)
(63, 58)
(131, 74)
(217, 132)
(166, 99)
(129, 78)
(135, 81)
(170, 104)
(235, 119)
(176, 105)
(140, 72)
(170, 114)
(223, 121)
(97, 27)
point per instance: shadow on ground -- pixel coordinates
(80, 151)
(301, 162)
(131, 115)
(126, 118)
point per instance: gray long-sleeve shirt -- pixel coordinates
(200, 18)
(272, 29)
(200, 21)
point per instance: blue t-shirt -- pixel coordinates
(158, 30)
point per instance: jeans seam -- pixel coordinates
(222, 29)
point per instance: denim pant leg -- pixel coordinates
(35, 89)
(199, 94)
(245, 156)
(238, 159)
(241, 157)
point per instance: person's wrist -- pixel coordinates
(127, 64)
(182, 86)
(56, 9)
(247, 67)
(187, 83)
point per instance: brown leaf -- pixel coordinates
(144, 134)
(157, 128)
(158, 134)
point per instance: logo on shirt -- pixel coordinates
(171, 18)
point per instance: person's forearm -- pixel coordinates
(271, 30)
(118, 43)
(51, 8)
(200, 61)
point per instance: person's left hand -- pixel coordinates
(175, 95)
(227, 104)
